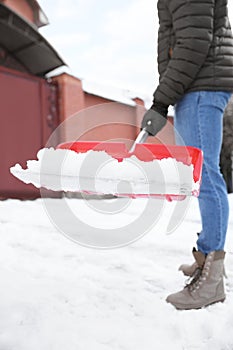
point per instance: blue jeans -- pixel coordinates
(198, 123)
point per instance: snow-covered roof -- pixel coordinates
(112, 93)
(40, 17)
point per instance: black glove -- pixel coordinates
(155, 118)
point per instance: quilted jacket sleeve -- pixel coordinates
(193, 25)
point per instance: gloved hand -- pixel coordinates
(155, 118)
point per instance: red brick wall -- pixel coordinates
(71, 95)
(92, 100)
(98, 119)
(94, 117)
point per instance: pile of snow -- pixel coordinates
(98, 172)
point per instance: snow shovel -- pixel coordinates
(169, 171)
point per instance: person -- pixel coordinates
(226, 156)
(195, 64)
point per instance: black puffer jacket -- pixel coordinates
(195, 48)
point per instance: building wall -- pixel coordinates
(89, 117)
(21, 7)
(93, 100)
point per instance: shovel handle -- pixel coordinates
(141, 138)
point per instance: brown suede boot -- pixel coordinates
(206, 286)
(188, 270)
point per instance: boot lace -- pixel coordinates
(200, 274)
(193, 281)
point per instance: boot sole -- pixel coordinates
(200, 306)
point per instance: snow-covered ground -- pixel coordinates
(56, 294)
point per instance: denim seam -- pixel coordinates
(205, 168)
(219, 207)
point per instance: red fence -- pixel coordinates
(28, 116)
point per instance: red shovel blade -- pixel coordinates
(145, 152)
